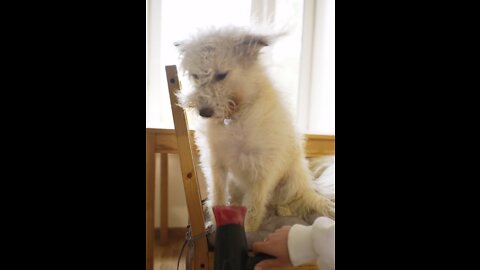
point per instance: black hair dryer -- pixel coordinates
(231, 250)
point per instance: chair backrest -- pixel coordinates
(189, 175)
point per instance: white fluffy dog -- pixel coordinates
(247, 140)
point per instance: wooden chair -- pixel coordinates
(200, 260)
(203, 259)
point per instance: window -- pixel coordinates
(301, 63)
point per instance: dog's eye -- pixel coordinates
(195, 76)
(220, 76)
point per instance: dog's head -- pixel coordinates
(222, 66)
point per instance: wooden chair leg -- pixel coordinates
(164, 200)
(150, 200)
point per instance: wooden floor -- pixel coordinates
(166, 256)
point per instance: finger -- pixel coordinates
(283, 228)
(265, 264)
(259, 246)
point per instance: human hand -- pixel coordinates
(276, 244)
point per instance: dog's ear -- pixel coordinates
(180, 46)
(250, 45)
(256, 40)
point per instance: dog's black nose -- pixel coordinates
(206, 112)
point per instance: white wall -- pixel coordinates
(177, 207)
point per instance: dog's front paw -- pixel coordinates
(251, 226)
(252, 220)
(284, 211)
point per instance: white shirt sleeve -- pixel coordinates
(314, 243)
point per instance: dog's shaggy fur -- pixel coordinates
(247, 140)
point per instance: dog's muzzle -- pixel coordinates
(206, 112)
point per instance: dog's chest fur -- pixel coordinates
(231, 140)
(236, 145)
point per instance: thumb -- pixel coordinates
(265, 264)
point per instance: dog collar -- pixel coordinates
(227, 121)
